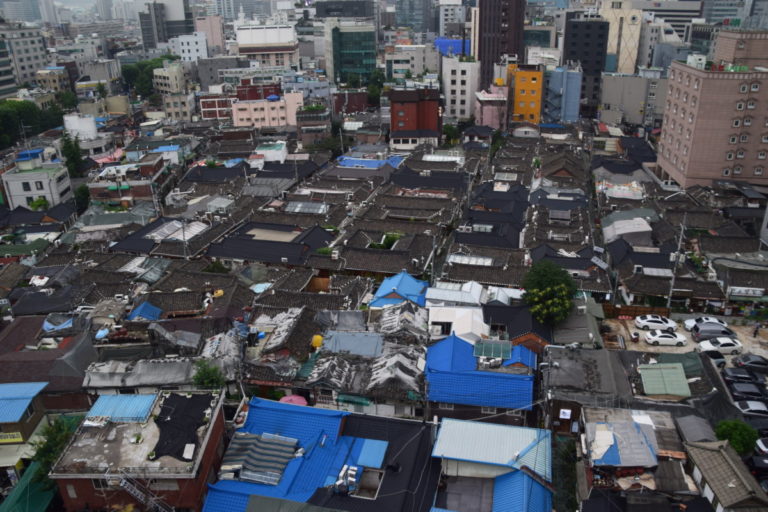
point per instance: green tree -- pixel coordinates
(82, 198)
(130, 74)
(374, 95)
(155, 99)
(208, 376)
(55, 437)
(66, 99)
(549, 292)
(216, 267)
(740, 435)
(101, 90)
(451, 134)
(38, 204)
(70, 150)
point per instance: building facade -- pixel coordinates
(416, 14)
(562, 96)
(414, 118)
(268, 113)
(269, 45)
(452, 15)
(7, 80)
(350, 50)
(410, 61)
(34, 178)
(623, 35)
(461, 81)
(633, 99)
(213, 28)
(190, 47)
(169, 79)
(526, 92)
(714, 126)
(26, 49)
(586, 42)
(500, 32)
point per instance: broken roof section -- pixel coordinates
(399, 288)
(365, 344)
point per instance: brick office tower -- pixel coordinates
(715, 123)
(501, 33)
(415, 118)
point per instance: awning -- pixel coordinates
(748, 299)
(353, 399)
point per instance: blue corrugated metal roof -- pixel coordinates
(453, 378)
(16, 397)
(396, 289)
(123, 408)
(452, 46)
(145, 311)
(518, 491)
(521, 355)
(317, 431)
(161, 149)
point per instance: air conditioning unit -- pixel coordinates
(638, 269)
(334, 255)
(464, 229)
(435, 330)
(283, 260)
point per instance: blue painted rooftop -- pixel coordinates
(123, 408)
(521, 355)
(29, 154)
(448, 46)
(453, 377)
(16, 397)
(326, 452)
(518, 491)
(346, 161)
(399, 288)
(161, 149)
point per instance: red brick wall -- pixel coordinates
(190, 495)
(66, 402)
(257, 92)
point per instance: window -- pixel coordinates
(761, 155)
(696, 84)
(740, 154)
(726, 172)
(38, 185)
(736, 123)
(100, 483)
(747, 121)
(25, 186)
(737, 170)
(764, 139)
(751, 104)
(744, 137)
(732, 139)
(522, 92)
(651, 95)
(729, 155)
(487, 410)
(755, 87)
(445, 406)
(743, 88)
(758, 171)
(740, 105)
(29, 200)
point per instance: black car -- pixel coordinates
(740, 375)
(759, 424)
(747, 391)
(758, 466)
(717, 358)
(752, 362)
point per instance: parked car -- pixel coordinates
(702, 332)
(752, 408)
(692, 322)
(656, 337)
(752, 362)
(761, 446)
(723, 345)
(746, 391)
(758, 423)
(658, 322)
(758, 466)
(740, 375)
(717, 358)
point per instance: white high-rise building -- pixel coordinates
(452, 13)
(625, 24)
(190, 47)
(461, 80)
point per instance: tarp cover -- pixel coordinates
(178, 421)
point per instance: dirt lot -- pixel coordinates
(757, 345)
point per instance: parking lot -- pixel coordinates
(625, 328)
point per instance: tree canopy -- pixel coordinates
(208, 376)
(549, 292)
(139, 76)
(15, 114)
(742, 436)
(55, 437)
(70, 150)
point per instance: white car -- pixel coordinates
(656, 337)
(659, 322)
(722, 345)
(691, 322)
(752, 407)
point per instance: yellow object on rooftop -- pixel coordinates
(317, 341)
(218, 293)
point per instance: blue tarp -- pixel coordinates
(233, 162)
(102, 333)
(26, 155)
(347, 161)
(48, 326)
(452, 46)
(399, 288)
(372, 453)
(145, 311)
(123, 408)
(16, 397)
(518, 491)
(452, 375)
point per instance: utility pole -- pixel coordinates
(677, 259)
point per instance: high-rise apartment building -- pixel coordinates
(7, 80)
(452, 15)
(350, 50)
(165, 19)
(714, 118)
(586, 41)
(269, 45)
(213, 28)
(678, 13)
(417, 14)
(26, 48)
(500, 32)
(526, 92)
(104, 9)
(48, 12)
(562, 96)
(21, 10)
